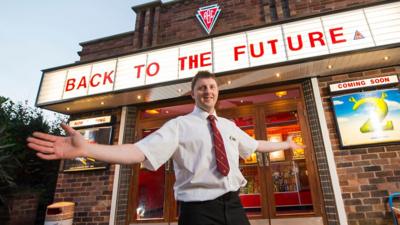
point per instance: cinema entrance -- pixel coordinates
(282, 187)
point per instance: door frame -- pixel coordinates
(258, 112)
(168, 209)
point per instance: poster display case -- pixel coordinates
(97, 131)
(368, 117)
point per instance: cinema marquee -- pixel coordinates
(326, 74)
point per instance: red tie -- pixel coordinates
(219, 148)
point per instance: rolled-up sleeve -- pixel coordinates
(159, 146)
(247, 144)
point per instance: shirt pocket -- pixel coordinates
(232, 148)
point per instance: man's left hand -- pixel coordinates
(292, 144)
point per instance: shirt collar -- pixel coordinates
(202, 114)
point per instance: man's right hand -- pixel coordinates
(50, 147)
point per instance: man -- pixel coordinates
(205, 150)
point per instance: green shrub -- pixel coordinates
(20, 169)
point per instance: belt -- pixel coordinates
(228, 196)
(225, 197)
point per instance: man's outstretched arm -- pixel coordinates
(267, 146)
(50, 147)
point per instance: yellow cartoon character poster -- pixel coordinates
(368, 117)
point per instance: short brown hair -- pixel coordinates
(201, 75)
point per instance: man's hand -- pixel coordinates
(52, 147)
(292, 144)
(267, 146)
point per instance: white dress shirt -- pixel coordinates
(187, 139)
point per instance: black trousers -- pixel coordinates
(224, 210)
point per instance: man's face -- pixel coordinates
(205, 94)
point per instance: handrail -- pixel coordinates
(391, 196)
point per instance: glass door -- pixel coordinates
(151, 199)
(253, 195)
(250, 195)
(292, 174)
(291, 192)
(280, 184)
(150, 189)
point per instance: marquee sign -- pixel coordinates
(207, 16)
(96, 121)
(376, 81)
(320, 36)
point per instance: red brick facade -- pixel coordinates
(367, 175)
(90, 190)
(162, 24)
(23, 209)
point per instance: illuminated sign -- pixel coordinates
(320, 36)
(367, 118)
(90, 122)
(207, 16)
(376, 81)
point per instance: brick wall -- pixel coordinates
(312, 7)
(367, 175)
(328, 198)
(178, 21)
(103, 48)
(90, 190)
(125, 170)
(23, 209)
(161, 24)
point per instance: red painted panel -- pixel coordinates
(251, 200)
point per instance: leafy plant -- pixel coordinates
(8, 164)
(20, 168)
